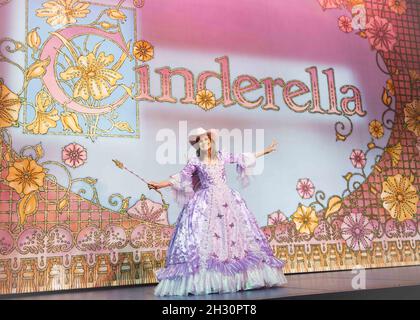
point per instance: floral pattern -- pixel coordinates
(305, 188)
(9, 107)
(305, 219)
(358, 158)
(205, 99)
(96, 80)
(340, 221)
(399, 197)
(63, 12)
(381, 34)
(276, 218)
(45, 117)
(398, 6)
(25, 176)
(412, 116)
(344, 24)
(395, 153)
(74, 155)
(143, 51)
(376, 129)
(357, 231)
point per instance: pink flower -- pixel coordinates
(398, 6)
(380, 34)
(331, 4)
(276, 218)
(344, 23)
(357, 231)
(305, 188)
(74, 155)
(358, 158)
(148, 210)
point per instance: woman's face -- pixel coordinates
(204, 143)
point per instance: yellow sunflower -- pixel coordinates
(95, 79)
(63, 12)
(376, 129)
(399, 197)
(143, 50)
(305, 219)
(412, 116)
(25, 176)
(205, 99)
(9, 107)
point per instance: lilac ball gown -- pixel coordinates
(217, 245)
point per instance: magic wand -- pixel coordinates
(120, 165)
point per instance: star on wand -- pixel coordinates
(120, 165)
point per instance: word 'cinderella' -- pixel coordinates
(235, 93)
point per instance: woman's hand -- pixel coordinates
(158, 185)
(154, 185)
(272, 147)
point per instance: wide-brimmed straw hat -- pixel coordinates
(194, 134)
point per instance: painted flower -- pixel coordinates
(27, 206)
(358, 158)
(116, 14)
(33, 39)
(412, 116)
(331, 4)
(395, 153)
(143, 50)
(390, 87)
(398, 6)
(205, 99)
(107, 25)
(305, 219)
(74, 155)
(96, 80)
(70, 121)
(25, 176)
(376, 129)
(352, 3)
(380, 34)
(344, 24)
(37, 69)
(276, 218)
(44, 120)
(305, 188)
(9, 107)
(357, 231)
(63, 12)
(399, 197)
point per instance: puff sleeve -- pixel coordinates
(182, 183)
(245, 163)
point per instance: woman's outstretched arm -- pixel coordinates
(272, 147)
(159, 185)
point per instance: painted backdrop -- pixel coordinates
(95, 94)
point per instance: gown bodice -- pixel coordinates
(211, 175)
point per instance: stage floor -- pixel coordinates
(400, 282)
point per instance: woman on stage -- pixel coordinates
(217, 245)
